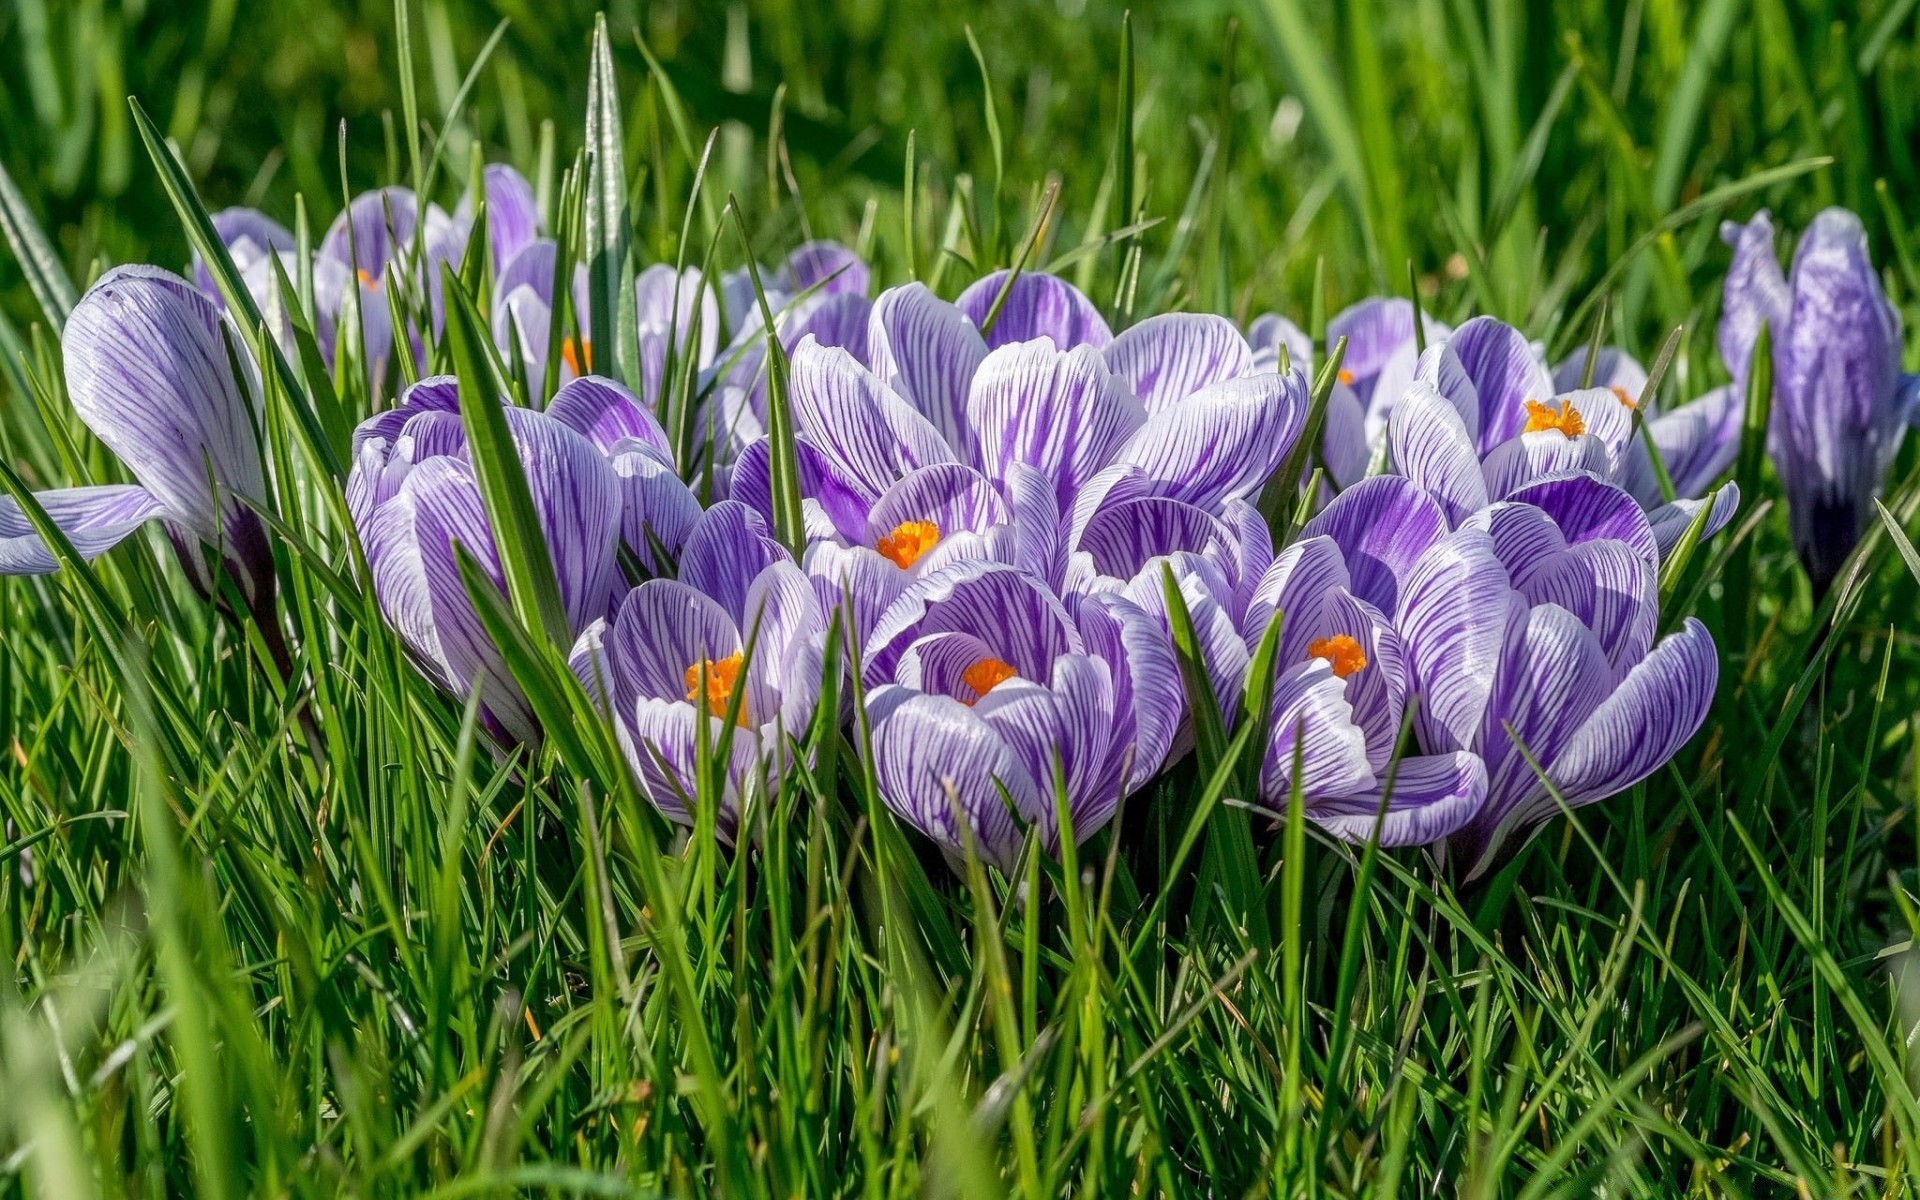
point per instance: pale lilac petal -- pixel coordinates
(1122, 538)
(250, 236)
(1313, 722)
(1377, 331)
(1222, 442)
(1755, 293)
(1546, 454)
(603, 412)
(1038, 306)
(1456, 618)
(1613, 368)
(1345, 446)
(1269, 334)
(953, 497)
(866, 437)
(513, 215)
(1670, 521)
(1432, 796)
(95, 519)
(1167, 358)
(1149, 701)
(1585, 508)
(828, 265)
(1063, 414)
(1208, 595)
(577, 500)
(928, 352)
(1005, 607)
(938, 764)
(1648, 718)
(1550, 679)
(1069, 717)
(656, 506)
(725, 552)
(660, 743)
(1382, 526)
(381, 222)
(664, 628)
(1697, 443)
(1506, 371)
(859, 575)
(1433, 447)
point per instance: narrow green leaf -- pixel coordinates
(609, 265)
(39, 262)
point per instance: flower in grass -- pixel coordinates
(1840, 401)
(1483, 421)
(413, 496)
(1374, 372)
(1079, 465)
(1341, 681)
(150, 367)
(513, 214)
(373, 246)
(1530, 630)
(740, 635)
(986, 696)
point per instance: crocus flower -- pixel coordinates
(1483, 420)
(523, 312)
(1532, 626)
(986, 686)
(740, 630)
(250, 236)
(413, 495)
(149, 366)
(1341, 680)
(379, 229)
(1840, 402)
(513, 215)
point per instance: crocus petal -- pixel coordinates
(1655, 711)
(1003, 606)
(1166, 358)
(148, 370)
(1670, 521)
(660, 742)
(663, 628)
(1433, 447)
(1271, 333)
(1755, 293)
(1071, 718)
(249, 236)
(1038, 305)
(933, 755)
(1222, 442)
(577, 500)
(1377, 330)
(1613, 368)
(927, 351)
(374, 226)
(951, 496)
(1432, 796)
(1506, 372)
(856, 575)
(833, 268)
(1697, 443)
(865, 435)
(95, 519)
(1548, 453)
(1345, 445)
(1148, 695)
(1122, 538)
(725, 552)
(1457, 615)
(1063, 414)
(656, 506)
(603, 412)
(1382, 526)
(513, 215)
(1313, 727)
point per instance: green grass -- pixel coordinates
(309, 937)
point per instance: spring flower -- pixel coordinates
(1482, 421)
(513, 215)
(413, 495)
(986, 687)
(149, 366)
(1341, 680)
(1840, 402)
(1532, 625)
(738, 632)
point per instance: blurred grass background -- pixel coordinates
(1552, 135)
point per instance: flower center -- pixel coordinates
(578, 355)
(986, 675)
(1555, 414)
(1342, 653)
(369, 280)
(722, 676)
(1346, 376)
(909, 542)
(1625, 399)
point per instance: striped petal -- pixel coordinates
(95, 519)
(1382, 526)
(927, 351)
(1432, 446)
(1064, 414)
(1038, 305)
(1222, 442)
(938, 764)
(1167, 358)
(1432, 796)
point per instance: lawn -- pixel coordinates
(288, 917)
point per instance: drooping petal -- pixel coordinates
(1038, 305)
(927, 351)
(95, 519)
(1382, 526)
(1167, 358)
(1063, 414)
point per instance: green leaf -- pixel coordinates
(524, 557)
(39, 262)
(608, 233)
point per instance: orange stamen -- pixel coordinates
(722, 676)
(1625, 399)
(1560, 415)
(986, 675)
(1346, 376)
(369, 280)
(909, 542)
(1342, 653)
(578, 356)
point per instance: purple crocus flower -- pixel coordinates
(413, 494)
(1341, 679)
(986, 686)
(513, 215)
(378, 230)
(1532, 625)
(149, 366)
(740, 626)
(1840, 402)
(1483, 420)
(1037, 306)
(250, 236)
(523, 312)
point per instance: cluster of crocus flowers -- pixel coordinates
(1006, 510)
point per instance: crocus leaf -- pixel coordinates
(496, 466)
(39, 262)
(609, 270)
